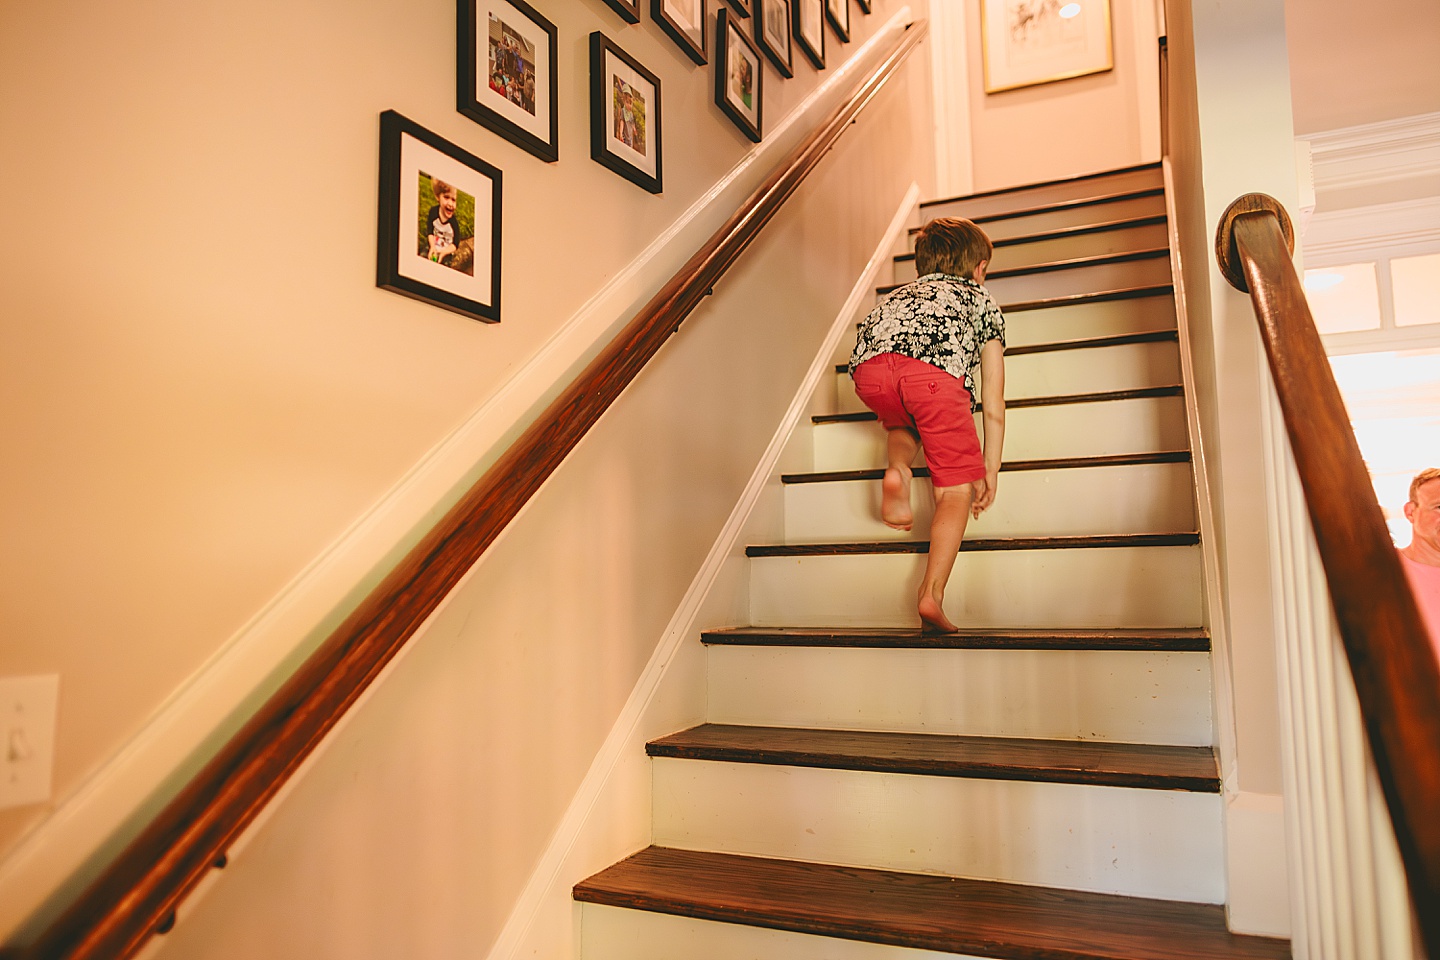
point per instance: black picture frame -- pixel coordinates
(773, 34)
(741, 7)
(690, 38)
(837, 14)
(739, 74)
(808, 20)
(412, 161)
(629, 10)
(864, 6)
(524, 58)
(632, 148)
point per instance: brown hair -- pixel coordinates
(951, 246)
(1422, 478)
(440, 188)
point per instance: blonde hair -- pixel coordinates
(1422, 478)
(951, 245)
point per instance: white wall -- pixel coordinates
(206, 394)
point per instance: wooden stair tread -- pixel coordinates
(1139, 393)
(1061, 233)
(974, 545)
(971, 917)
(1172, 640)
(1083, 343)
(1038, 184)
(1054, 463)
(1075, 204)
(1096, 762)
(1100, 259)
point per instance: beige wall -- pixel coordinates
(1069, 127)
(205, 390)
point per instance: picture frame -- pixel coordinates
(742, 8)
(837, 12)
(1030, 42)
(864, 6)
(625, 115)
(739, 76)
(442, 253)
(809, 17)
(506, 73)
(629, 10)
(683, 21)
(773, 33)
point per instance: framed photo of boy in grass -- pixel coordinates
(772, 34)
(506, 73)
(439, 221)
(810, 30)
(739, 73)
(1027, 42)
(624, 114)
(684, 22)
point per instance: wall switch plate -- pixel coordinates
(27, 738)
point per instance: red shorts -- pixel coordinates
(913, 395)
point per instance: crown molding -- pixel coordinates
(1384, 230)
(1376, 153)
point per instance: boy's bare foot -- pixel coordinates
(895, 502)
(932, 617)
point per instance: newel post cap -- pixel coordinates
(1226, 254)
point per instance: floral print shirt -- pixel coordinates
(940, 319)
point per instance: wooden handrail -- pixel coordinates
(137, 894)
(1391, 659)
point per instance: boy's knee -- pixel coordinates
(962, 494)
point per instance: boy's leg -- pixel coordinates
(900, 449)
(952, 513)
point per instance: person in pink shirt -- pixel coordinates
(1421, 559)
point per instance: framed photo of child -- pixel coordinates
(810, 30)
(684, 22)
(506, 73)
(739, 73)
(439, 221)
(772, 34)
(624, 115)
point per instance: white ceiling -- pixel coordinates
(1361, 61)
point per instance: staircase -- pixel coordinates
(1039, 785)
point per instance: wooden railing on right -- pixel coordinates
(1392, 662)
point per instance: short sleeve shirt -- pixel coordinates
(939, 319)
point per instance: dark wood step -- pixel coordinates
(976, 918)
(1062, 233)
(1001, 191)
(1087, 343)
(975, 545)
(1095, 762)
(1056, 463)
(1170, 640)
(1076, 263)
(1075, 204)
(1139, 393)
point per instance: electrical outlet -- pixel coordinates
(27, 738)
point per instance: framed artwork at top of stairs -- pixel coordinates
(1028, 42)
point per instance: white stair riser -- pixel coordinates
(1124, 696)
(971, 207)
(1124, 240)
(1075, 217)
(1146, 425)
(1080, 321)
(1065, 372)
(615, 933)
(1073, 280)
(1100, 587)
(1153, 843)
(1146, 498)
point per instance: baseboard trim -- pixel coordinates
(555, 873)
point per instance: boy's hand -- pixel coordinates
(984, 493)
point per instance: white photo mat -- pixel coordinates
(537, 123)
(417, 158)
